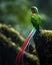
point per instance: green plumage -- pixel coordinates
(35, 19)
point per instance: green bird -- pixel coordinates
(35, 19)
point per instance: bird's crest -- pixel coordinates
(34, 9)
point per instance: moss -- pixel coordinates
(43, 42)
(11, 40)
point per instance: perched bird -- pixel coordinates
(35, 19)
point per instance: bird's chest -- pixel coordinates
(35, 19)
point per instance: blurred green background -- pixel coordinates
(17, 13)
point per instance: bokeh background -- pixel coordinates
(17, 13)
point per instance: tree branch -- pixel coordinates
(43, 42)
(11, 41)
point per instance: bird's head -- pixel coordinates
(34, 10)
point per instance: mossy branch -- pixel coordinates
(10, 38)
(9, 44)
(43, 42)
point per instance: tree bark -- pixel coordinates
(43, 42)
(11, 41)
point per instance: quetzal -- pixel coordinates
(35, 19)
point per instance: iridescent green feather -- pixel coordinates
(35, 19)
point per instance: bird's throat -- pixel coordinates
(33, 12)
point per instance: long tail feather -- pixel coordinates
(25, 44)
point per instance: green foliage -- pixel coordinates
(15, 11)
